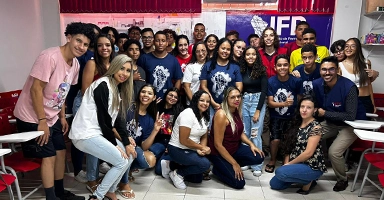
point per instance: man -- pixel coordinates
(198, 35)
(337, 100)
(41, 104)
(254, 40)
(309, 37)
(232, 35)
(310, 70)
(291, 46)
(134, 33)
(161, 68)
(147, 38)
(122, 39)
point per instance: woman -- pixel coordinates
(191, 82)
(228, 153)
(219, 73)
(89, 129)
(304, 159)
(181, 51)
(255, 86)
(211, 41)
(132, 48)
(94, 69)
(238, 48)
(355, 69)
(188, 145)
(171, 36)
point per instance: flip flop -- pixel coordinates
(124, 192)
(269, 168)
(303, 192)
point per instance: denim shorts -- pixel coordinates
(31, 149)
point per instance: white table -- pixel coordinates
(12, 121)
(20, 137)
(365, 124)
(380, 108)
(373, 115)
(4, 151)
(369, 135)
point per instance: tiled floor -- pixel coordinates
(149, 186)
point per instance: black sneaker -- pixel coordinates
(340, 186)
(70, 196)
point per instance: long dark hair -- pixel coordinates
(291, 136)
(175, 50)
(195, 108)
(216, 54)
(100, 66)
(258, 69)
(151, 110)
(206, 41)
(177, 108)
(359, 62)
(194, 56)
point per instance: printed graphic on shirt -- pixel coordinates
(160, 75)
(281, 96)
(59, 95)
(166, 128)
(183, 66)
(132, 130)
(308, 87)
(220, 81)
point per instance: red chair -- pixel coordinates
(6, 181)
(376, 159)
(381, 179)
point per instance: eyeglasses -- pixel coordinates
(173, 96)
(330, 70)
(340, 51)
(147, 38)
(353, 46)
(201, 51)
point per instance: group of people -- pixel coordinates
(152, 100)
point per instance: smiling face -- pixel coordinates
(299, 31)
(201, 53)
(309, 38)
(250, 56)
(170, 39)
(211, 43)
(234, 99)
(269, 38)
(307, 109)
(171, 98)
(135, 34)
(183, 47)
(203, 103)
(123, 74)
(224, 50)
(339, 53)
(199, 33)
(255, 42)
(133, 52)
(78, 44)
(350, 48)
(282, 67)
(238, 48)
(328, 72)
(147, 39)
(147, 95)
(104, 47)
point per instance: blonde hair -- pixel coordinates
(225, 106)
(126, 88)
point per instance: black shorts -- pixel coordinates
(279, 127)
(31, 149)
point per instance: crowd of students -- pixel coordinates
(152, 100)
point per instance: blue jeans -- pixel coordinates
(77, 102)
(250, 101)
(105, 150)
(294, 173)
(92, 167)
(190, 162)
(224, 170)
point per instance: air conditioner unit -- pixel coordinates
(239, 1)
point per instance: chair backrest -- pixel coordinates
(5, 127)
(8, 110)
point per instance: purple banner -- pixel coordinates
(247, 23)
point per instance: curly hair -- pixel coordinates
(194, 56)
(100, 66)
(276, 41)
(75, 28)
(177, 108)
(258, 69)
(337, 46)
(194, 106)
(291, 136)
(151, 109)
(216, 54)
(129, 42)
(176, 51)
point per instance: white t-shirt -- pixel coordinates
(187, 119)
(191, 75)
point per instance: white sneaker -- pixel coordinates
(245, 168)
(104, 168)
(177, 180)
(81, 177)
(257, 173)
(165, 168)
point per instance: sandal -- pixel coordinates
(92, 189)
(305, 192)
(269, 168)
(126, 194)
(206, 176)
(130, 177)
(135, 171)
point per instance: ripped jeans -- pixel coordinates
(251, 129)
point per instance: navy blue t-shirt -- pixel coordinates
(280, 91)
(308, 78)
(160, 71)
(220, 78)
(143, 129)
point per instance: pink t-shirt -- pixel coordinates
(49, 67)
